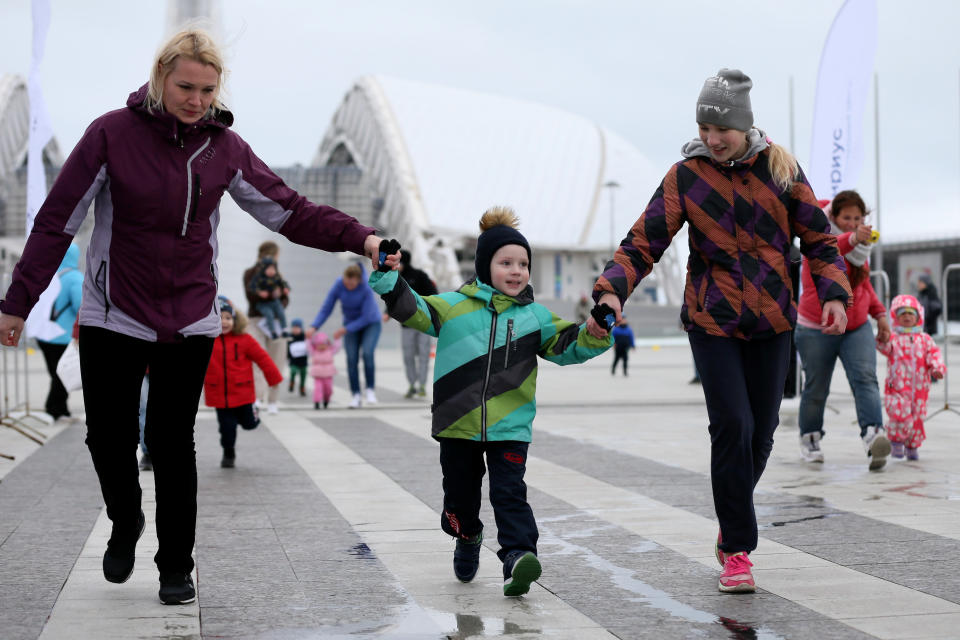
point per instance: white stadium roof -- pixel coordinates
(441, 156)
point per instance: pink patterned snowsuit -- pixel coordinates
(911, 358)
(322, 368)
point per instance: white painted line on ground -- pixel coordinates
(404, 533)
(90, 607)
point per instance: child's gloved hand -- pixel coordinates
(604, 315)
(387, 248)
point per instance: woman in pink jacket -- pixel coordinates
(855, 348)
(322, 369)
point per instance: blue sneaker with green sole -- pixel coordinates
(520, 570)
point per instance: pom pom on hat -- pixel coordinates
(498, 227)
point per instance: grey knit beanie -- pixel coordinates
(725, 100)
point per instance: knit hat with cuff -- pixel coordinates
(725, 100)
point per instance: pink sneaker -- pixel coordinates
(736, 577)
(721, 555)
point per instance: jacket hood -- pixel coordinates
(500, 301)
(221, 118)
(71, 259)
(756, 142)
(905, 300)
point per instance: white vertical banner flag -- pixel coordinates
(38, 323)
(843, 84)
(40, 130)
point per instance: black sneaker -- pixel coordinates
(466, 557)
(177, 588)
(119, 558)
(146, 464)
(520, 570)
(316, 405)
(227, 461)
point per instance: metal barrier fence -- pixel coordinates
(15, 412)
(946, 341)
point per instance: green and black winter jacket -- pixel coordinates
(485, 375)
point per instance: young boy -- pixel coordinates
(912, 360)
(297, 355)
(490, 333)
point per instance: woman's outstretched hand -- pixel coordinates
(10, 329)
(371, 249)
(594, 328)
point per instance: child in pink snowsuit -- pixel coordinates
(322, 369)
(912, 359)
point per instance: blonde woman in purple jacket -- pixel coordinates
(155, 172)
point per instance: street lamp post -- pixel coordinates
(612, 185)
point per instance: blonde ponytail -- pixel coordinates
(783, 167)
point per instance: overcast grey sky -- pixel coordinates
(634, 67)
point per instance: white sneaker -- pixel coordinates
(877, 446)
(371, 397)
(354, 402)
(810, 447)
(272, 409)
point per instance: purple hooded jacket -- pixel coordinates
(151, 268)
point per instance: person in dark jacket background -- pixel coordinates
(415, 344)
(622, 343)
(744, 199)
(155, 172)
(932, 306)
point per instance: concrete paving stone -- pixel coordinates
(858, 553)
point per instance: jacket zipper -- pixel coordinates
(190, 210)
(486, 378)
(102, 273)
(226, 402)
(506, 350)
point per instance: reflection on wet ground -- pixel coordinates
(626, 579)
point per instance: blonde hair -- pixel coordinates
(353, 271)
(783, 167)
(191, 44)
(499, 216)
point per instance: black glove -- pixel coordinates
(604, 315)
(387, 248)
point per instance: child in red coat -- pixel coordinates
(229, 383)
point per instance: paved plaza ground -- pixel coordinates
(329, 526)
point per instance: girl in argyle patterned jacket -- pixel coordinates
(744, 200)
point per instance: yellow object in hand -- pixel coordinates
(874, 236)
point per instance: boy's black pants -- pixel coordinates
(228, 419)
(743, 385)
(112, 366)
(462, 462)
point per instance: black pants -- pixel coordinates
(56, 404)
(463, 469)
(113, 365)
(743, 385)
(228, 419)
(619, 353)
